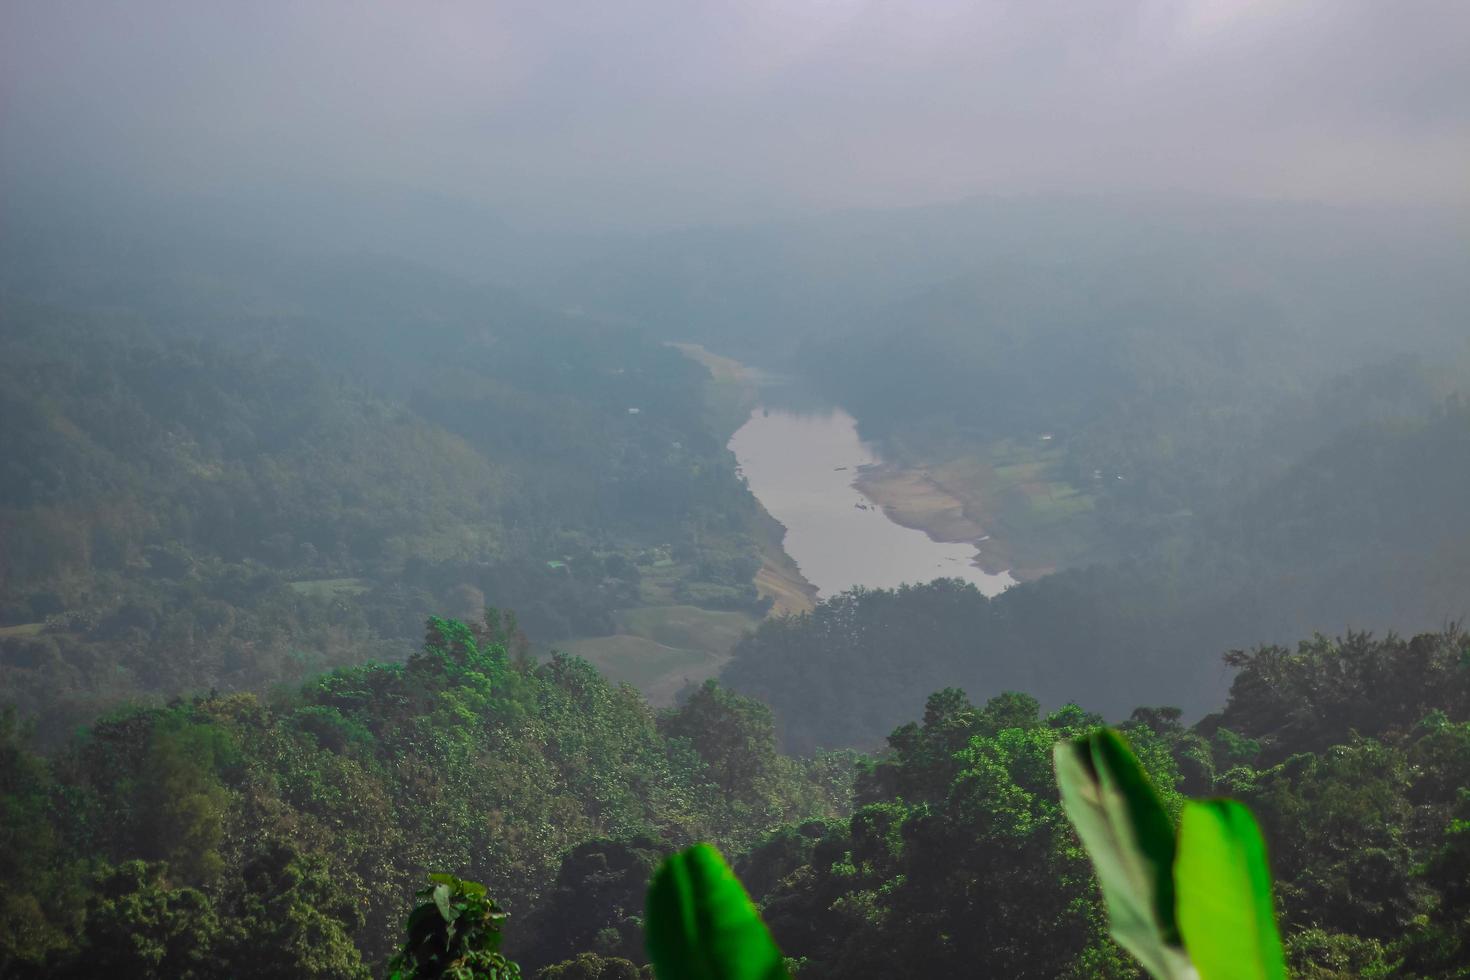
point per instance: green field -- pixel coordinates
(688, 627)
(22, 629)
(656, 670)
(657, 582)
(658, 649)
(1026, 478)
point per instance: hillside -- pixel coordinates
(227, 476)
(1367, 533)
(318, 811)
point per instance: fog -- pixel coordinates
(660, 114)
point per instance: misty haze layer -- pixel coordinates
(656, 113)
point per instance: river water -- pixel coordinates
(801, 466)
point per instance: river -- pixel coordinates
(801, 465)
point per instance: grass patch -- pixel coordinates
(658, 649)
(657, 670)
(22, 630)
(687, 627)
(657, 582)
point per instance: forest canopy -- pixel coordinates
(229, 836)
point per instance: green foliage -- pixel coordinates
(1326, 691)
(41, 885)
(734, 735)
(184, 800)
(200, 502)
(959, 860)
(139, 925)
(304, 822)
(1315, 954)
(453, 932)
(596, 905)
(1201, 907)
(300, 825)
(896, 891)
(591, 966)
(1224, 894)
(701, 924)
(289, 917)
(1130, 839)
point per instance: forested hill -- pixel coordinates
(231, 836)
(1369, 532)
(227, 835)
(224, 474)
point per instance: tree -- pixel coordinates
(40, 892)
(734, 735)
(290, 919)
(139, 925)
(590, 966)
(453, 932)
(958, 863)
(597, 903)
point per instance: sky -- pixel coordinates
(669, 112)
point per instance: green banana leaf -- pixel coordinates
(1224, 888)
(1129, 837)
(701, 924)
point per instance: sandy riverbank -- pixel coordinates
(915, 498)
(779, 576)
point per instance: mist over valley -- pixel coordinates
(518, 443)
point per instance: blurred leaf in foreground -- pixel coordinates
(701, 924)
(1224, 888)
(1130, 839)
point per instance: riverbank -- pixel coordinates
(1008, 498)
(913, 498)
(779, 576)
(1000, 495)
(732, 392)
(947, 502)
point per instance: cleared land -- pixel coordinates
(659, 649)
(912, 498)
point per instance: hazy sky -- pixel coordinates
(692, 110)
